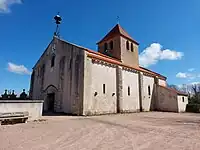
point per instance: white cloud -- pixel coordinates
(187, 75)
(181, 75)
(191, 69)
(152, 54)
(5, 5)
(19, 69)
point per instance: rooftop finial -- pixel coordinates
(58, 20)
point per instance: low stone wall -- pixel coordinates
(166, 100)
(34, 107)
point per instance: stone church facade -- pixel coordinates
(75, 80)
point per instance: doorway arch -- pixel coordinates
(50, 94)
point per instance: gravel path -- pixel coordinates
(139, 131)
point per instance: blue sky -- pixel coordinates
(167, 30)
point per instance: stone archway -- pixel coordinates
(50, 96)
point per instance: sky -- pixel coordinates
(168, 32)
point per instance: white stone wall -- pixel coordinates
(97, 74)
(147, 99)
(34, 107)
(130, 103)
(182, 104)
(162, 82)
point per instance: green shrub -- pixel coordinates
(193, 108)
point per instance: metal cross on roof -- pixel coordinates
(118, 19)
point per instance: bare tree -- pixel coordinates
(196, 96)
(174, 87)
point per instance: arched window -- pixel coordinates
(127, 45)
(111, 45)
(132, 48)
(105, 46)
(53, 60)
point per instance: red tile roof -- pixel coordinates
(118, 30)
(99, 56)
(153, 72)
(174, 90)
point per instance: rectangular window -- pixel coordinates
(129, 91)
(183, 99)
(52, 61)
(104, 88)
(70, 63)
(149, 90)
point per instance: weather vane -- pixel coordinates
(58, 20)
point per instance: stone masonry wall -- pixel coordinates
(166, 100)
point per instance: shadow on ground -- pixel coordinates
(56, 114)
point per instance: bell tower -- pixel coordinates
(119, 45)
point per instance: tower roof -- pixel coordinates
(118, 30)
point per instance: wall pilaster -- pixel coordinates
(119, 85)
(141, 90)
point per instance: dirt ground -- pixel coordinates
(138, 131)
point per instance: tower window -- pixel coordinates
(129, 93)
(127, 45)
(111, 45)
(132, 48)
(104, 88)
(149, 90)
(53, 61)
(105, 46)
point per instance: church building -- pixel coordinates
(75, 80)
